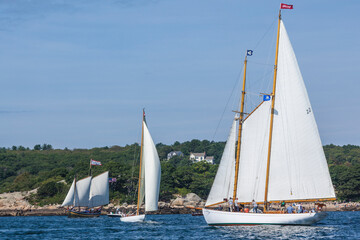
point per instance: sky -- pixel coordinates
(77, 73)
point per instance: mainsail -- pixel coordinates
(99, 190)
(298, 168)
(224, 180)
(152, 171)
(82, 192)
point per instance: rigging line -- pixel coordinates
(268, 60)
(227, 103)
(270, 27)
(266, 64)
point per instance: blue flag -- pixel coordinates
(266, 97)
(249, 52)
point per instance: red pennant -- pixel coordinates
(286, 6)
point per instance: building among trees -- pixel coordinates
(173, 154)
(197, 157)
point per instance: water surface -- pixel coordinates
(338, 225)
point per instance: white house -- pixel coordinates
(174, 153)
(197, 157)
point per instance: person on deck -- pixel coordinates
(290, 209)
(255, 206)
(299, 208)
(283, 206)
(231, 205)
(236, 202)
(241, 207)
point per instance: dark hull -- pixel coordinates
(82, 214)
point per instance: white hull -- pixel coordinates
(136, 218)
(214, 217)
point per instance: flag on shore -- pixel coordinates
(93, 162)
(286, 6)
(112, 180)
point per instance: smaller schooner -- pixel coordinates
(87, 196)
(149, 176)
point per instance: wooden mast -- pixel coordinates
(240, 130)
(272, 114)
(141, 149)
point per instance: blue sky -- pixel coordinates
(77, 74)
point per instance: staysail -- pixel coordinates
(152, 170)
(69, 199)
(298, 168)
(224, 180)
(99, 190)
(253, 151)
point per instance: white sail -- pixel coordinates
(298, 168)
(223, 184)
(82, 191)
(253, 153)
(152, 170)
(99, 190)
(69, 199)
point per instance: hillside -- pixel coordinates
(44, 168)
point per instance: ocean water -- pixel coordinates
(338, 225)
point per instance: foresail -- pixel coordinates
(82, 192)
(223, 184)
(99, 190)
(69, 199)
(152, 172)
(298, 168)
(253, 152)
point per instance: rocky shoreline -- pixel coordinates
(15, 204)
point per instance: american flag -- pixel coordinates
(111, 180)
(93, 162)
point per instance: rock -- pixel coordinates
(124, 205)
(161, 204)
(190, 204)
(192, 197)
(131, 206)
(176, 195)
(177, 202)
(177, 207)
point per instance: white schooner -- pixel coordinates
(279, 155)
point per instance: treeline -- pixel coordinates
(46, 168)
